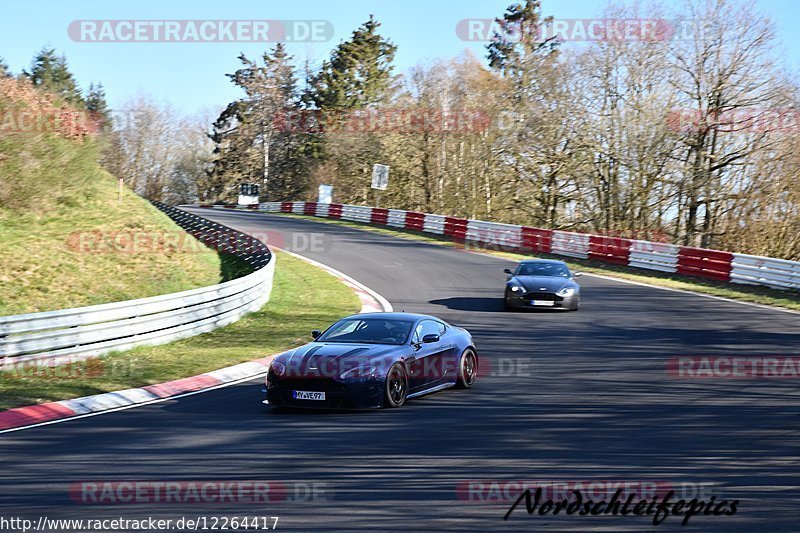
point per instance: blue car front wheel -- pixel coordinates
(396, 386)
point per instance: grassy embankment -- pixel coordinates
(303, 298)
(53, 193)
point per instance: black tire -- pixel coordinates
(396, 388)
(467, 369)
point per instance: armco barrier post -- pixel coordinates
(335, 211)
(711, 264)
(415, 221)
(456, 228)
(379, 216)
(609, 249)
(537, 240)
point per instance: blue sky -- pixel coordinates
(191, 75)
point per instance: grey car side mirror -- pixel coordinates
(577, 274)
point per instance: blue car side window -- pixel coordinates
(416, 338)
(429, 327)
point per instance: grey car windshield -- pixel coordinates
(543, 269)
(368, 330)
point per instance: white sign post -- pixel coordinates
(248, 194)
(380, 181)
(325, 194)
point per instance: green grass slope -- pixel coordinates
(304, 297)
(52, 190)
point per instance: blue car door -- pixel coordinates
(432, 358)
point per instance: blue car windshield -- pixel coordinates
(368, 330)
(543, 269)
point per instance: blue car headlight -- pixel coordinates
(517, 288)
(359, 372)
(278, 368)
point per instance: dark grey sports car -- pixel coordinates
(373, 360)
(542, 283)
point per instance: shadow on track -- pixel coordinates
(471, 303)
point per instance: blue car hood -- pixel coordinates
(318, 354)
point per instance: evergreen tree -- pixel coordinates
(251, 146)
(50, 72)
(359, 72)
(518, 40)
(528, 64)
(4, 72)
(96, 105)
(357, 77)
(96, 99)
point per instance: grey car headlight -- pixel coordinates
(566, 292)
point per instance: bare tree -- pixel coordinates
(159, 153)
(726, 78)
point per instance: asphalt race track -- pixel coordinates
(571, 397)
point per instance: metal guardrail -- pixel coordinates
(571, 244)
(669, 258)
(73, 334)
(654, 256)
(757, 270)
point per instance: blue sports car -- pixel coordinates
(373, 360)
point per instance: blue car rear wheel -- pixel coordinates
(467, 369)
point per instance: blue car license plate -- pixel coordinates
(306, 395)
